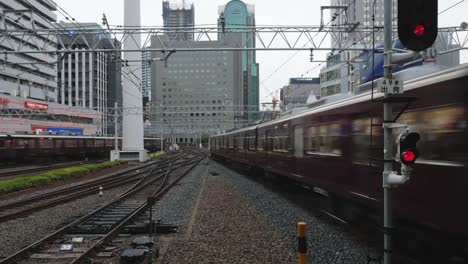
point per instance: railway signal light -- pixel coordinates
(417, 23)
(407, 149)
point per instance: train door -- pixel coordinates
(298, 142)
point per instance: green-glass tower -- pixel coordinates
(236, 15)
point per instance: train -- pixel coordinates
(39, 148)
(336, 149)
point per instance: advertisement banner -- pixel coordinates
(62, 131)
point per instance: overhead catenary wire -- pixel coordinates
(295, 54)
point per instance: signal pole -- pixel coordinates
(388, 150)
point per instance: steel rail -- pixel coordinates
(138, 211)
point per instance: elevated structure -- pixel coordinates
(132, 125)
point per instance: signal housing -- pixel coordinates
(417, 23)
(407, 149)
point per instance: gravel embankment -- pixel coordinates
(226, 230)
(18, 233)
(327, 242)
(176, 205)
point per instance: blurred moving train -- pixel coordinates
(37, 148)
(337, 149)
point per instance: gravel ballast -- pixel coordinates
(226, 230)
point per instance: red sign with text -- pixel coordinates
(38, 130)
(36, 106)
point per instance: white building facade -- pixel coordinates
(28, 75)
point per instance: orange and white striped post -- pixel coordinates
(302, 242)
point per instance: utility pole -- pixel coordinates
(388, 150)
(116, 127)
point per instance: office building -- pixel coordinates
(198, 92)
(298, 91)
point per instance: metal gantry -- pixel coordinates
(273, 38)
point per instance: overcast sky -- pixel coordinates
(267, 12)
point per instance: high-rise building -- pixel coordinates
(359, 12)
(179, 15)
(233, 16)
(89, 79)
(146, 75)
(146, 82)
(197, 90)
(18, 78)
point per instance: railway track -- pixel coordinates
(36, 203)
(99, 227)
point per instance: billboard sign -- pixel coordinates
(38, 130)
(36, 106)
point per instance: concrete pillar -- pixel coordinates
(132, 126)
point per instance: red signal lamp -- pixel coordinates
(419, 31)
(409, 157)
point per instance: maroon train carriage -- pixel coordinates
(33, 148)
(330, 149)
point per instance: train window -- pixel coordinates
(281, 139)
(441, 132)
(99, 143)
(251, 142)
(361, 141)
(240, 140)
(21, 143)
(46, 143)
(230, 142)
(71, 143)
(323, 139)
(268, 141)
(89, 143)
(260, 141)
